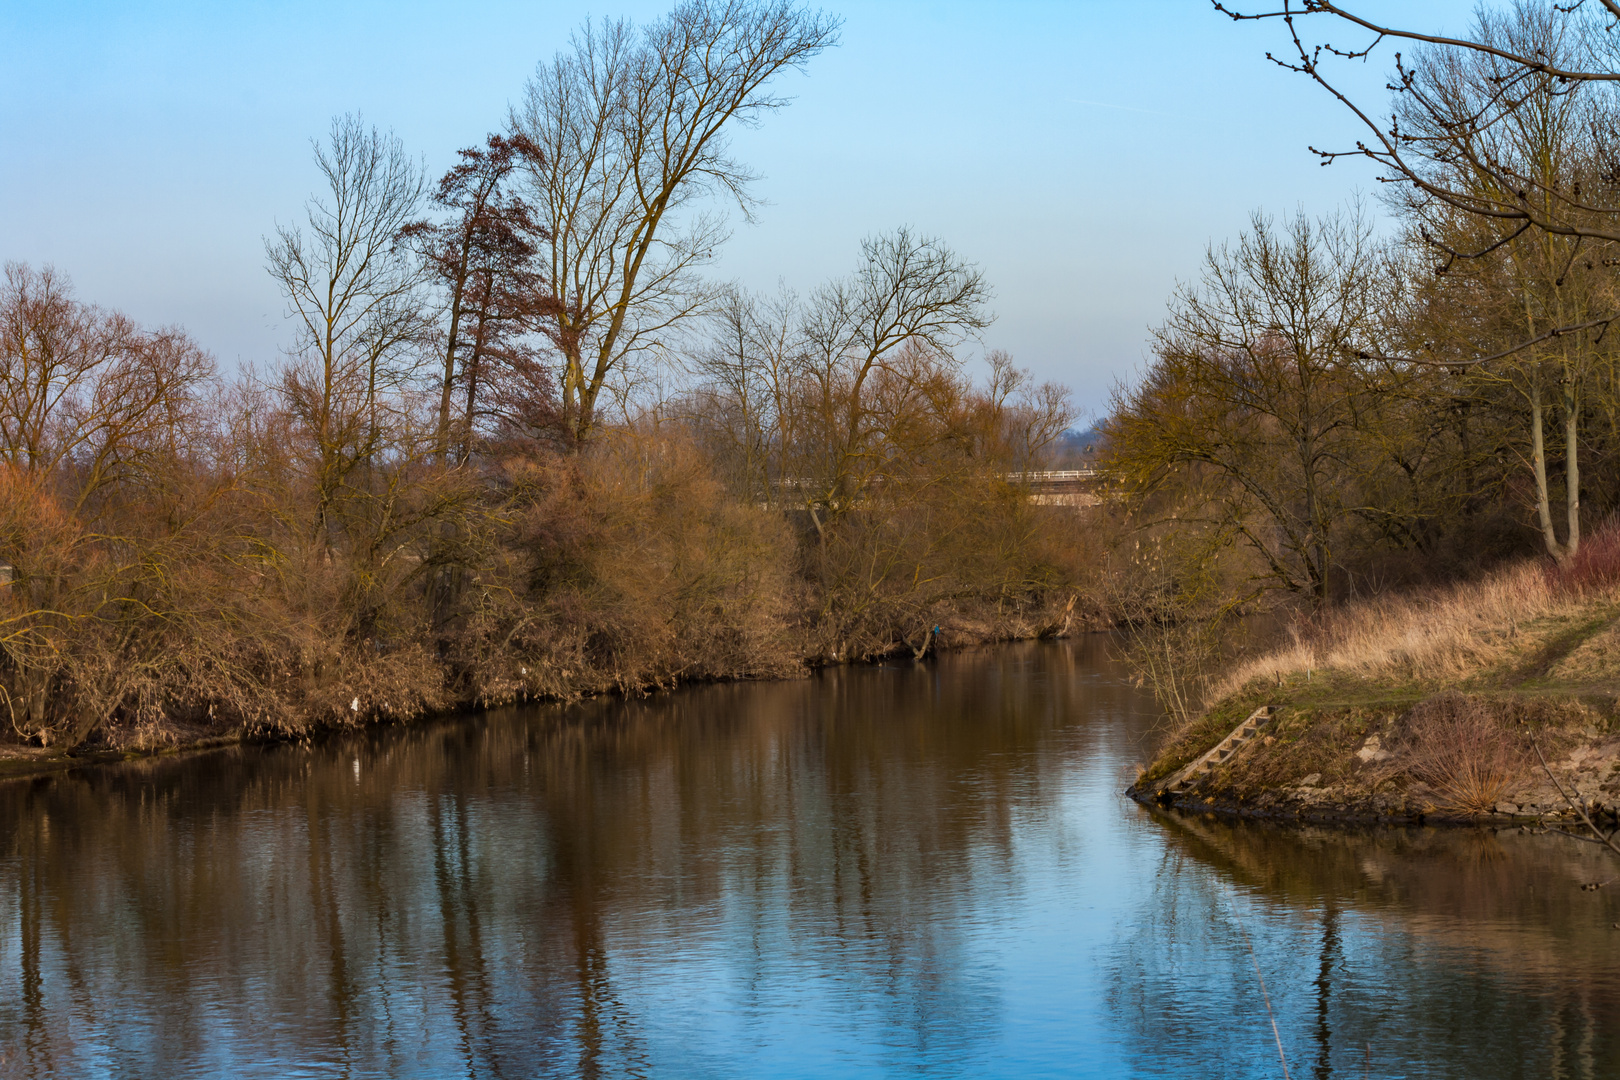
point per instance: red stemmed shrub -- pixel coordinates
(1596, 565)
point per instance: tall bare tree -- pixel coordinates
(354, 296)
(631, 133)
(1464, 160)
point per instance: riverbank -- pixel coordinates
(174, 737)
(1473, 704)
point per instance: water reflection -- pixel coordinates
(915, 870)
(1423, 952)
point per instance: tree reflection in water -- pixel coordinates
(1431, 952)
(915, 869)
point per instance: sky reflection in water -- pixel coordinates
(889, 871)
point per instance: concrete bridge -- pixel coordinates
(1047, 487)
(1059, 487)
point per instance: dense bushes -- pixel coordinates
(235, 568)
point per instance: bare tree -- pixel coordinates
(745, 371)
(630, 129)
(1032, 417)
(87, 398)
(813, 389)
(757, 396)
(909, 290)
(1464, 159)
(354, 295)
(1260, 378)
(1519, 282)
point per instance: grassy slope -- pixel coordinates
(1543, 659)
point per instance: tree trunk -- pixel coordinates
(443, 440)
(1572, 470)
(1538, 464)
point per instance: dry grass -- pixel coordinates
(1433, 636)
(1453, 679)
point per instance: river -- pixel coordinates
(888, 871)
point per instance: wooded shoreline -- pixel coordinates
(18, 761)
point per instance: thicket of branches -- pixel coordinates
(1327, 412)
(456, 485)
(1334, 408)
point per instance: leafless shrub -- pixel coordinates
(1176, 662)
(626, 567)
(1164, 592)
(1459, 746)
(1595, 566)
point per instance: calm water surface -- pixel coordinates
(898, 871)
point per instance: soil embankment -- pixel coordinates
(1476, 704)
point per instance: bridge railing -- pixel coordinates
(1032, 477)
(1050, 476)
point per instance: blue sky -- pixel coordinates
(1083, 153)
